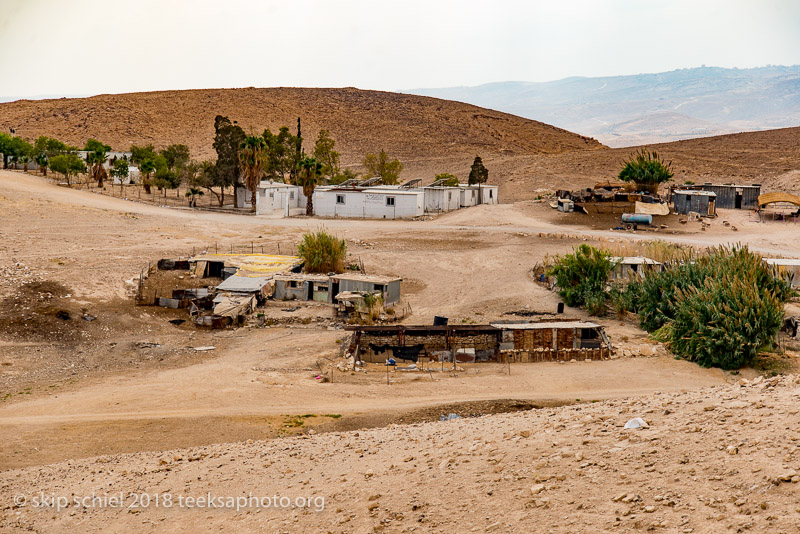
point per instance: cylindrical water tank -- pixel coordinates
(637, 218)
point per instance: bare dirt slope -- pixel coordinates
(408, 127)
(720, 459)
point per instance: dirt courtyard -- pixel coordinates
(84, 372)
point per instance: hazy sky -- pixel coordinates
(80, 47)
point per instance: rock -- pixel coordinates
(787, 476)
(650, 509)
(732, 449)
(536, 489)
(525, 433)
(636, 423)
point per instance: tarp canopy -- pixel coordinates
(655, 208)
(232, 306)
(773, 198)
(253, 265)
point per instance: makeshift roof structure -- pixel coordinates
(635, 260)
(301, 276)
(543, 326)
(773, 198)
(244, 284)
(253, 265)
(695, 192)
(783, 261)
(366, 277)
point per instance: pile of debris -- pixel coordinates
(610, 197)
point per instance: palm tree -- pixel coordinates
(193, 193)
(308, 176)
(147, 166)
(253, 161)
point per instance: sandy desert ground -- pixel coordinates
(130, 385)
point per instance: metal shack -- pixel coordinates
(325, 288)
(300, 286)
(789, 268)
(631, 266)
(732, 196)
(388, 286)
(440, 199)
(472, 195)
(702, 202)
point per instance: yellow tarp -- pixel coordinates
(253, 265)
(651, 209)
(771, 198)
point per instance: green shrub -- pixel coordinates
(646, 169)
(724, 323)
(582, 275)
(718, 310)
(656, 297)
(322, 252)
(595, 303)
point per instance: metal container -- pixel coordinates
(637, 218)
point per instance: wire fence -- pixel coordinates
(181, 197)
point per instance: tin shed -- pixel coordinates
(733, 196)
(702, 202)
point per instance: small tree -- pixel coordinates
(253, 161)
(478, 174)
(343, 175)
(379, 165)
(450, 180)
(228, 138)
(96, 156)
(308, 178)
(192, 195)
(581, 277)
(120, 171)
(146, 168)
(647, 170)
(176, 156)
(68, 165)
(45, 148)
(21, 151)
(281, 150)
(208, 177)
(322, 252)
(324, 153)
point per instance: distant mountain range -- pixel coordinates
(648, 108)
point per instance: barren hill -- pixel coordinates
(409, 127)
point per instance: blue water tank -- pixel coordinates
(637, 218)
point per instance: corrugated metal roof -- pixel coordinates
(367, 278)
(541, 326)
(691, 192)
(635, 260)
(244, 284)
(782, 261)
